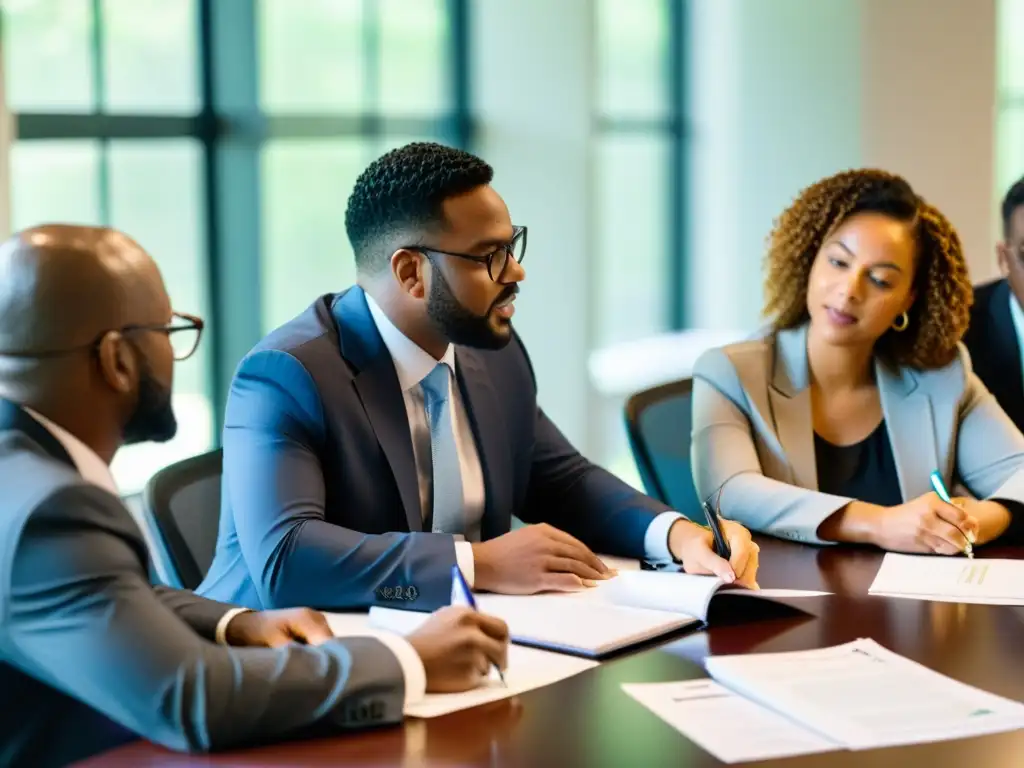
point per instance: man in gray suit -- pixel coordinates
(90, 654)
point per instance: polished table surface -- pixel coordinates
(588, 721)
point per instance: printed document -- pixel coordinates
(863, 696)
(528, 668)
(733, 729)
(950, 579)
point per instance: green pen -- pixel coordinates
(940, 489)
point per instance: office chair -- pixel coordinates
(658, 422)
(182, 506)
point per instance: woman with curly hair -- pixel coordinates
(828, 427)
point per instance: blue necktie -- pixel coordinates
(447, 496)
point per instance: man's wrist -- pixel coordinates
(680, 532)
(221, 633)
(481, 566)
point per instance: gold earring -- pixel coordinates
(901, 322)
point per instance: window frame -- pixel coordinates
(231, 129)
(675, 129)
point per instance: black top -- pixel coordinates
(865, 471)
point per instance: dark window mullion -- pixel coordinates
(459, 57)
(371, 72)
(678, 177)
(99, 106)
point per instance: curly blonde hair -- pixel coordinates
(941, 309)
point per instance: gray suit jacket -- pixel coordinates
(91, 655)
(753, 434)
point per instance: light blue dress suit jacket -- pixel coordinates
(753, 435)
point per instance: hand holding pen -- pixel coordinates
(722, 547)
(463, 595)
(940, 489)
(927, 524)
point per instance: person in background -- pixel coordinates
(828, 427)
(996, 332)
(90, 654)
(392, 431)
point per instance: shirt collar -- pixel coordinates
(90, 466)
(412, 363)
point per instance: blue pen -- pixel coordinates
(467, 595)
(940, 489)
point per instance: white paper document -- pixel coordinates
(528, 668)
(629, 609)
(950, 579)
(863, 696)
(728, 726)
(682, 593)
(586, 627)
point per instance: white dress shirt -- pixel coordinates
(95, 471)
(412, 364)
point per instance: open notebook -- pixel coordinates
(629, 609)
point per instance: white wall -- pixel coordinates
(929, 92)
(788, 91)
(532, 80)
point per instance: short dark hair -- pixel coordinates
(1014, 199)
(403, 191)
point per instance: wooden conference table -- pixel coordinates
(588, 721)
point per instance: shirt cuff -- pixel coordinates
(221, 633)
(464, 559)
(656, 539)
(412, 667)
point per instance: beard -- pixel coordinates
(461, 326)
(153, 419)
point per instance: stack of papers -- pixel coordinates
(950, 579)
(854, 696)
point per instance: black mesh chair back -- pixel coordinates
(658, 422)
(182, 504)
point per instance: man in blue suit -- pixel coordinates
(391, 431)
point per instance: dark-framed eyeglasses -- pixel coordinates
(183, 331)
(497, 261)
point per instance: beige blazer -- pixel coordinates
(753, 434)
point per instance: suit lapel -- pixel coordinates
(377, 385)
(1003, 335)
(790, 398)
(490, 433)
(15, 418)
(911, 429)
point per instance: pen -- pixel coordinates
(940, 489)
(467, 595)
(715, 524)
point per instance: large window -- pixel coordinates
(375, 75)
(1010, 123)
(225, 136)
(83, 77)
(639, 172)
